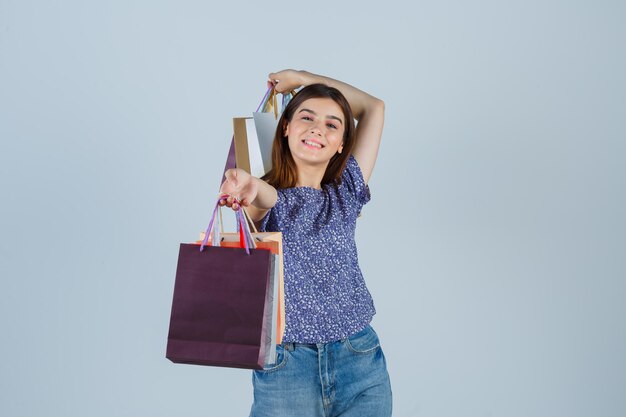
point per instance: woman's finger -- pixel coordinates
(274, 81)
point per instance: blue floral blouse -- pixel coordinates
(326, 298)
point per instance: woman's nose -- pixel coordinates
(316, 130)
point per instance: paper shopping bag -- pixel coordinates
(270, 319)
(220, 305)
(254, 136)
(273, 242)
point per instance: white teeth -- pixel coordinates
(317, 145)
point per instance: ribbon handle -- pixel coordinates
(245, 236)
(269, 105)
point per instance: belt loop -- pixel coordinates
(289, 346)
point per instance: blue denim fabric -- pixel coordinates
(347, 378)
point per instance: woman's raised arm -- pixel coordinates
(368, 110)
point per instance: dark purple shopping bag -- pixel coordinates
(219, 305)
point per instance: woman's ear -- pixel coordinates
(285, 128)
(340, 148)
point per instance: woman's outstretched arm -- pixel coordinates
(368, 110)
(253, 193)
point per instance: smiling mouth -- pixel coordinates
(312, 144)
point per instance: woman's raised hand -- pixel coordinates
(286, 80)
(239, 185)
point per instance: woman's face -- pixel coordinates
(316, 131)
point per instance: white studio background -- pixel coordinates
(493, 244)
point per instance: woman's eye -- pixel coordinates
(306, 118)
(332, 126)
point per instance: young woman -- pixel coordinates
(330, 362)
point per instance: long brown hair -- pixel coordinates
(284, 173)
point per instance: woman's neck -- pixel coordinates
(310, 176)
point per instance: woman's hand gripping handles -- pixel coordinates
(241, 187)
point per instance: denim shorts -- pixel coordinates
(347, 377)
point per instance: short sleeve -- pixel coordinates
(352, 179)
(272, 214)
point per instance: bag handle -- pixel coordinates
(250, 221)
(287, 98)
(245, 236)
(268, 103)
